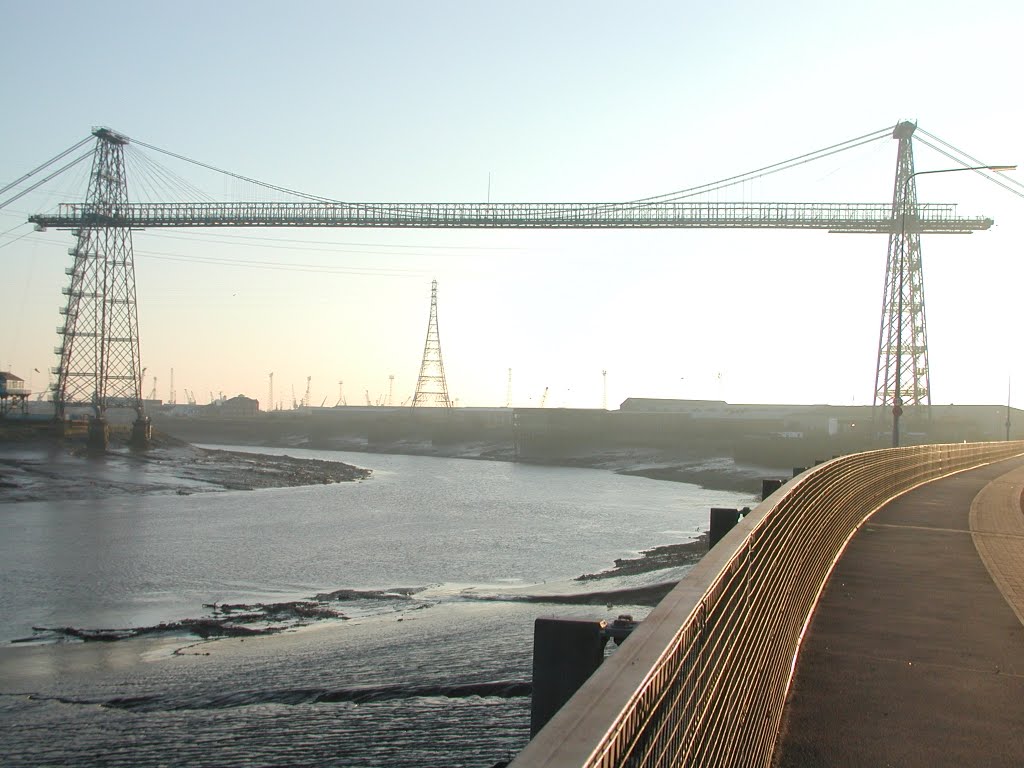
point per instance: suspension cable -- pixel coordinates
(234, 175)
(49, 162)
(52, 176)
(769, 169)
(997, 180)
(164, 176)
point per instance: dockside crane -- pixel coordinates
(305, 397)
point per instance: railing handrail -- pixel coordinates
(703, 679)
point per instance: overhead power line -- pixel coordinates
(284, 266)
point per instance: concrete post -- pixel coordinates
(769, 486)
(565, 653)
(722, 521)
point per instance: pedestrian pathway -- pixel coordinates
(915, 655)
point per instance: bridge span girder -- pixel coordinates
(878, 218)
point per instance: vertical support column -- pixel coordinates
(99, 354)
(902, 377)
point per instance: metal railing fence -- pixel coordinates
(703, 680)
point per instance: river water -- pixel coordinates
(423, 673)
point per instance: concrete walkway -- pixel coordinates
(915, 656)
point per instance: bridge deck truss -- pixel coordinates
(935, 218)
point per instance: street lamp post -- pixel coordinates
(897, 398)
(1008, 385)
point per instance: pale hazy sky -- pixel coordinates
(553, 101)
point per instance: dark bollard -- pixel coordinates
(142, 433)
(621, 628)
(99, 436)
(798, 470)
(769, 486)
(565, 653)
(722, 521)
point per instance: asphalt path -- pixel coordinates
(914, 656)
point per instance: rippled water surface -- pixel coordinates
(431, 680)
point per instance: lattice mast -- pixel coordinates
(431, 387)
(901, 377)
(99, 352)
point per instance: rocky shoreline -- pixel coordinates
(654, 559)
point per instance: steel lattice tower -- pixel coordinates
(901, 377)
(431, 386)
(99, 351)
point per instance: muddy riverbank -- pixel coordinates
(37, 467)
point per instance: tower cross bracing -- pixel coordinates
(902, 377)
(99, 350)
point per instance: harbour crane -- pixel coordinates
(305, 397)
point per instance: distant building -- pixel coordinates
(183, 410)
(13, 393)
(11, 384)
(237, 407)
(668, 405)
